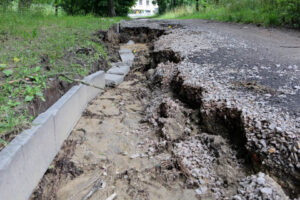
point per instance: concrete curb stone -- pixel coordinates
(113, 80)
(121, 70)
(127, 56)
(25, 160)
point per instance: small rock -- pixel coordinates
(263, 142)
(130, 42)
(266, 191)
(236, 197)
(134, 156)
(278, 129)
(202, 182)
(260, 180)
(201, 190)
(124, 153)
(272, 126)
(272, 150)
(268, 95)
(150, 73)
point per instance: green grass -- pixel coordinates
(243, 11)
(224, 14)
(24, 40)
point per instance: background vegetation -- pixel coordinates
(98, 7)
(262, 12)
(72, 7)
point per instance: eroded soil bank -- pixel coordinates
(148, 139)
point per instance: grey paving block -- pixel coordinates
(26, 158)
(121, 70)
(97, 79)
(113, 79)
(127, 58)
(117, 64)
(67, 110)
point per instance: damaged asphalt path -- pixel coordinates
(209, 111)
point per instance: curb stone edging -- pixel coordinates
(112, 80)
(115, 76)
(27, 157)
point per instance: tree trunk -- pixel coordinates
(56, 10)
(56, 7)
(111, 8)
(24, 4)
(197, 5)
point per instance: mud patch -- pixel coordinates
(62, 168)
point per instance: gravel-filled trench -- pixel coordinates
(149, 139)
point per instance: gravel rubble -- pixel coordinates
(239, 77)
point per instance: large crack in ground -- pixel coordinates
(150, 138)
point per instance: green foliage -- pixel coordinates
(71, 7)
(8, 72)
(165, 5)
(98, 7)
(263, 12)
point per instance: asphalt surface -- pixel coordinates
(244, 68)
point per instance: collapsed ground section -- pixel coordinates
(193, 134)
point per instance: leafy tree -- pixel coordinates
(111, 8)
(98, 7)
(72, 7)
